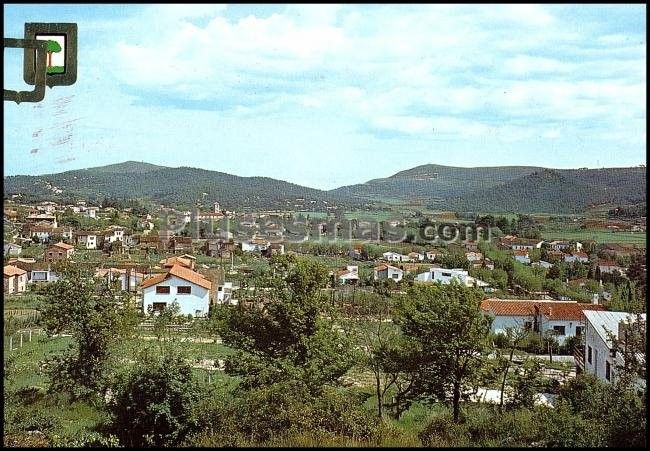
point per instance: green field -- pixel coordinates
(600, 236)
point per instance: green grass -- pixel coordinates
(600, 236)
(56, 70)
(24, 301)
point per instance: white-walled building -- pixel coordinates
(348, 275)
(15, 280)
(188, 288)
(128, 280)
(566, 319)
(89, 240)
(600, 356)
(388, 272)
(395, 257)
(445, 276)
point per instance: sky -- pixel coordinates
(332, 95)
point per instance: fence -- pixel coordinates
(19, 338)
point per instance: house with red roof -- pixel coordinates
(178, 284)
(15, 280)
(564, 318)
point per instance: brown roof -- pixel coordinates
(182, 273)
(521, 253)
(63, 245)
(169, 262)
(553, 310)
(13, 271)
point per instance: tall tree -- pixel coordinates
(96, 315)
(446, 332)
(283, 333)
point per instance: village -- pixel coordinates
(160, 263)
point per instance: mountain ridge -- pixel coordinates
(493, 188)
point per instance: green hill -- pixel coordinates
(525, 189)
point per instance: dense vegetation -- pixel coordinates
(303, 369)
(514, 188)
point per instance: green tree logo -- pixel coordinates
(53, 47)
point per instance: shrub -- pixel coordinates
(441, 431)
(153, 401)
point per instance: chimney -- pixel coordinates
(594, 298)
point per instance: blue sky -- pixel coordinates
(331, 95)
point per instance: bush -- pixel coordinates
(501, 341)
(441, 431)
(153, 402)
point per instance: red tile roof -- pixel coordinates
(182, 273)
(63, 245)
(553, 310)
(13, 271)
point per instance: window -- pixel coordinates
(60, 254)
(159, 306)
(184, 290)
(220, 288)
(446, 274)
(579, 331)
(395, 276)
(559, 330)
(162, 290)
(528, 325)
(589, 354)
(608, 371)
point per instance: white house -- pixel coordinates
(12, 249)
(445, 276)
(388, 272)
(522, 256)
(473, 256)
(188, 288)
(576, 257)
(520, 244)
(129, 280)
(543, 264)
(605, 266)
(115, 234)
(225, 294)
(349, 275)
(91, 212)
(87, 239)
(395, 257)
(432, 255)
(15, 280)
(255, 245)
(416, 256)
(566, 319)
(600, 356)
(43, 276)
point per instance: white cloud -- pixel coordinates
(467, 70)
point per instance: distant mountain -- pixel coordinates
(434, 182)
(129, 167)
(176, 186)
(525, 189)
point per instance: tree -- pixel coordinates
(52, 47)
(527, 383)
(96, 315)
(445, 334)
(378, 338)
(282, 334)
(152, 402)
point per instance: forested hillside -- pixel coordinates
(524, 189)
